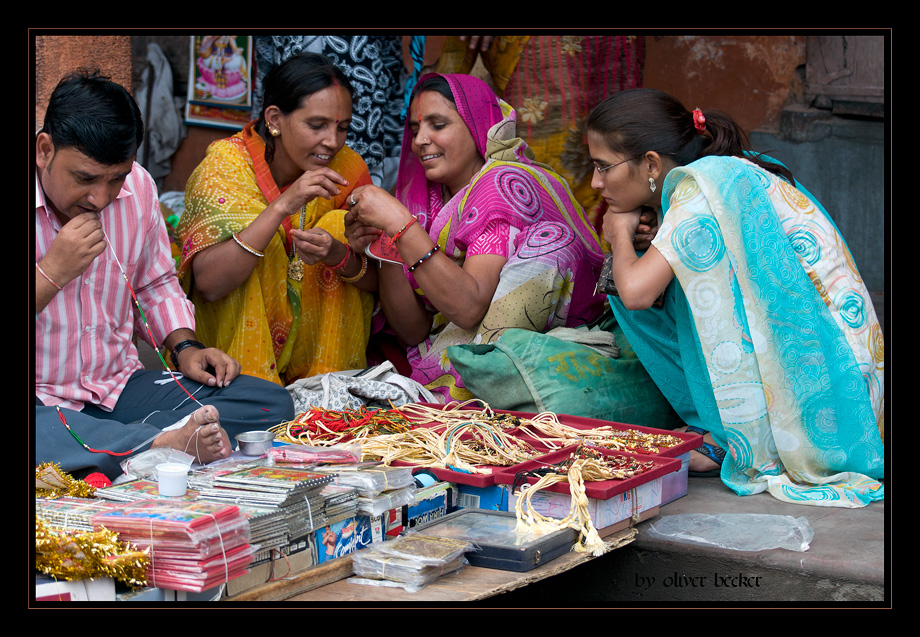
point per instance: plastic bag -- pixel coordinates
(736, 531)
(410, 561)
(383, 502)
(144, 465)
(305, 454)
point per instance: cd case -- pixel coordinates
(498, 542)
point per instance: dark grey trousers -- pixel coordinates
(147, 406)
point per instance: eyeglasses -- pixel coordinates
(601, 169)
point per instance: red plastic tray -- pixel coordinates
(481, 480)
(690, 440)
(600, 490)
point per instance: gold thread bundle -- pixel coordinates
(582, 465)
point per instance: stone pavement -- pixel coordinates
(846, 562)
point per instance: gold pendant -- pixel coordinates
(295, 269)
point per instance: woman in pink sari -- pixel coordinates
(488, 238)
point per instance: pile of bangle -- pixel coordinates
(341, 265)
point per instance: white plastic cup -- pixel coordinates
(172, 478)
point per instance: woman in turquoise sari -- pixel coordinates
(767, 340)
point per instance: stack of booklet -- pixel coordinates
(193, 545)
(410, 561)
(341, 503)
(71, 514)
(137, 490)
(380, 488)
(295, 495)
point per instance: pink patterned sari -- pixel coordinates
(514, 207)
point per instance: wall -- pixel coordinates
(56, 56)
(752, 77)
(759, 79)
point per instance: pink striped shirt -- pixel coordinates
(84, 348)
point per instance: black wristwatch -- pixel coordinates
(181, 346)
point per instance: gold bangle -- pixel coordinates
(359, 276)
(245, 246)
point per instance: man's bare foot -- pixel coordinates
(201, 436)
(699, 462)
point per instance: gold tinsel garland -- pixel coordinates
(52, 482)
(71, 555)
(75, 556)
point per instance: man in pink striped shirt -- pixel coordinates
(104, 275)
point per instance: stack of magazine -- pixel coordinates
(410, 561)
(137, 490)
(193, 545)
(341, 503)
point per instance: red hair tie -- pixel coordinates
(699, 120)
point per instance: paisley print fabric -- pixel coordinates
(513, 207)
(768, 338)
(374, 66)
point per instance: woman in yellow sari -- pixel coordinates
(263, 255)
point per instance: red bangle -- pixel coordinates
(344, 261)
(403, 229)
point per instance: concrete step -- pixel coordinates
(845, 562)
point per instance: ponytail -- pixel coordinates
(636, 121)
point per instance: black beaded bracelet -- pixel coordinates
(181, 346)
(425, 258)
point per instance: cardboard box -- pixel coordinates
(269, 565)
(342, 538)
(604, 513)
(386, 526)
(430, 503)
(494, 498)
(674, 485)
(85, 590)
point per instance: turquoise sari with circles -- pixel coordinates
(768, 337)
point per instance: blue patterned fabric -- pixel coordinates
(768, 338)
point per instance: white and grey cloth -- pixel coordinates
(378, 387)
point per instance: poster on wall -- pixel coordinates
(220, 81)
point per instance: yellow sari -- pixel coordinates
(278, 328)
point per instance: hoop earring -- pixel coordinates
(651, 184)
